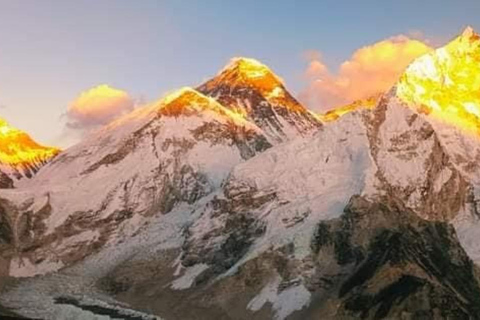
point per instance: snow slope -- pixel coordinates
(142, 165)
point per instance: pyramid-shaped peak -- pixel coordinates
(466, 44)
(243, 72)
(467, 38)
(247, 62)
(20, 155)
(469, 32)
(248, 67)
(248, 87)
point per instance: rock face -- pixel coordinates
(392, 264)
(412, 162)
(250, 88)
(5, 181)
(20, 156)
(184, 210)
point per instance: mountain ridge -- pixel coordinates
(182, 211)
(165, 158)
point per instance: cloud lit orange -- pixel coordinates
(370, 70)
(98, 106)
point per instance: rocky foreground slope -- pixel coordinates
(185, 210)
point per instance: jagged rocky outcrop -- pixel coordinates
(393, 264)
(5, 181)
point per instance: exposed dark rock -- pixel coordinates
(238, 233)
(394, 263)
(6, 232)
(5, 181)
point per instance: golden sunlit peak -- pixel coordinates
(249, 67)
(469, 33)
(19, 152)
(445, 83)
(242, 75)
(248, 72)
(4, 127)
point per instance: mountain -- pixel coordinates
(20, 156)
(443, 84)
(442, 88)
(178, 150)
(185, 210)
(250, 88)
(399, 173)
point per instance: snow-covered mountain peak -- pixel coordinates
(20, 156)
(242, 71)
(426, 131)
(246, 74)
(171, 153)
(445, 83)
(250, 88)
(469, 33)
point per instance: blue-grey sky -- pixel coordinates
(51, 51)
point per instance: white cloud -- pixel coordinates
(98, 106)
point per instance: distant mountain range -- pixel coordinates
(233, 201)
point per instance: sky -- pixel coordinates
(54, 54)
